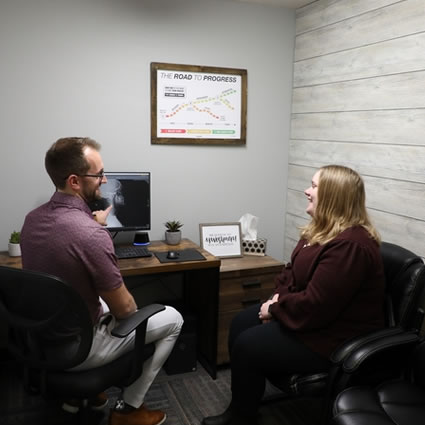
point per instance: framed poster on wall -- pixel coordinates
(198, 105)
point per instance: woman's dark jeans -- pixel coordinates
(259, 350)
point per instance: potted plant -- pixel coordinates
(173, 234)
(14, 244)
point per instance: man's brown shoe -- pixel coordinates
(140, 416)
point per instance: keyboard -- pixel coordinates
(135, 251)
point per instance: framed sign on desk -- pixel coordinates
(221, 239)
(198, 105)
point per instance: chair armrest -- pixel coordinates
(401, 343)
(129, 324)
(360, 359)
(351, 346)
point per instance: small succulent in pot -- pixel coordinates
(173, 226)
(14, 244)
(173, 233)
(15, 237)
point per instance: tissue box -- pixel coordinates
(254, 247)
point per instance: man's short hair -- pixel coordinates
(66, 157)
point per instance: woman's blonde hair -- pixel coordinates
(341, 203)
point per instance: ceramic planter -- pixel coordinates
(173, 238)
(14, 249)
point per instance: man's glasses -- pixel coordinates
(97, 176)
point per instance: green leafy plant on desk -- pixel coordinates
(15, 237)
(14, 244)
(173, 233)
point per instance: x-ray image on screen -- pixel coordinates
(129, 195)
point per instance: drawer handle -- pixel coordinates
(251, 284)
(252, 301)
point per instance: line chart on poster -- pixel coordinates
(198, 105)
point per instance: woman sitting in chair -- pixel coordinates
(332, 290)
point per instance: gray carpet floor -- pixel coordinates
(186, 398)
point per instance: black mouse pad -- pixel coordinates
(183, 255)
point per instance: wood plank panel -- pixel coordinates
(296, 204)
(396, 208)
(392, 196)
(289, 247)
(401, 231)
(293, 224)
(394, 229)
(359, 100)
(406, 126)
(299, 177)
(397, 20)
(396, 197)
(395, 162)
(363, 62)
(389, 92)
(326, 12)
(292, 234)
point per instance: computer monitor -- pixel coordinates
(129, 194)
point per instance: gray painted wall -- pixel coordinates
(358, 100)
(81, 68)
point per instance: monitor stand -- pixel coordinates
(141, 238)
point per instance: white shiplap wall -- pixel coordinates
(359, 100)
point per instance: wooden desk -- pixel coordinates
(201, 287)
(151, 265)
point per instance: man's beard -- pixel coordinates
(91, 195)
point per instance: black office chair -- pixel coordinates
(405, 283)
(50, 331)
(400, 400)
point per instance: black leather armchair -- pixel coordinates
(400, 400)
(405, 284)
(50, 331)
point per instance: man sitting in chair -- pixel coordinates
(64, 238)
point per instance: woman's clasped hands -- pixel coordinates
(264, 315)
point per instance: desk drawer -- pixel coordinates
(240, 300)
(239, 293)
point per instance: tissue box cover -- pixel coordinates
(254, 247)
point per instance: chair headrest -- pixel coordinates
(397, 260)
(405, 283)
